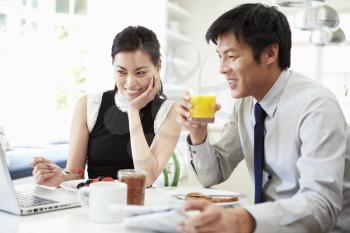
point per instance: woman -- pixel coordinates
(132, 126)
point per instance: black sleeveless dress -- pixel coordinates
(109, 148)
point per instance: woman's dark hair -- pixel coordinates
(138, 37)
(257, 25)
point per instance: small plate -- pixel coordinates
(71, 185)
(182, 191)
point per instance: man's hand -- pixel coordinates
(214, 218)
(198, 131)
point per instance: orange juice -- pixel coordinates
(203, 109)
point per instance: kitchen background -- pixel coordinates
(53, 51)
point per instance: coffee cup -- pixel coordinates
(203, 109)
(99, 196)
(136, 182)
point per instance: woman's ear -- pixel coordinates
(159, 66)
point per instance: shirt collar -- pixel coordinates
(270, 100)
(121, 102)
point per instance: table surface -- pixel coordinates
(75, 220)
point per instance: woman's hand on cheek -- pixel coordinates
(147, 96)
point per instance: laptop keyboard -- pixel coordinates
(27, 200)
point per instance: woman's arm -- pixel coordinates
(153, 159)
(79, 137)
(48, 173)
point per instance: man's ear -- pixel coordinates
(270, 54)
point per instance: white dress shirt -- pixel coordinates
(306, 179)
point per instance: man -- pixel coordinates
(289, 129)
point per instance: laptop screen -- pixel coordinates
(8, 200)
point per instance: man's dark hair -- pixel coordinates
(258, 26)
(133, 38)
(137, 37)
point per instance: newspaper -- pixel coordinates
(163, 218)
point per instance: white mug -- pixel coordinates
(99, 196)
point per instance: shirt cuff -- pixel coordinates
(264, 219)
(201, 155)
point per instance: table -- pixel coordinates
(75, 220)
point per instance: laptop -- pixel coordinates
(27, 199)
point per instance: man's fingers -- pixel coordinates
(209, 214)
(210, 226)
(209, 220)
(186, 95)
(186, 229)
(186, 104)
(200, 205)
(201, 220)
(217, 107)
(198, 125)
(182, 119)
(182, 111)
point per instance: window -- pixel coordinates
(80, 7)
(23, 28)
(34, 26)
(65, 6)
(62, 6)
(325, 63)
(43, 72)
(34, 3)
(2, 23)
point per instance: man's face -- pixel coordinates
(243, 74)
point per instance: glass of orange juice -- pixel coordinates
(203, 109)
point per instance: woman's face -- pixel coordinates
(133, 72)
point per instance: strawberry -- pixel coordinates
(108, 178)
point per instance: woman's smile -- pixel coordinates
(133, 92)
